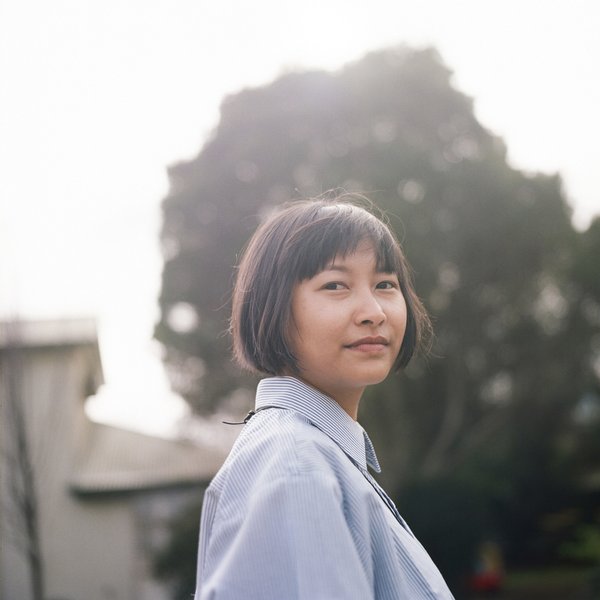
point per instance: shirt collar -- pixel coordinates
(323, 412)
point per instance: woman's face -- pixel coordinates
(348, 322)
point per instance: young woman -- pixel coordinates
(324, 305)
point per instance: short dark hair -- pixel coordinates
(295, 244)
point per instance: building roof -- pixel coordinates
(52, 332)
(21, 336)
(119, 460)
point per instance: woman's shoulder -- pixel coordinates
(282, 443)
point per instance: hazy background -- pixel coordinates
(98, 98)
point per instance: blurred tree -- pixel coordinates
(391, 123)
(176, 561)
(493, 249)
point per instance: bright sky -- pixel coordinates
(99, 97)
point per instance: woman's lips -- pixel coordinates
(369, 344)
(368, 347)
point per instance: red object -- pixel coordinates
(485, 582)
(489, 571)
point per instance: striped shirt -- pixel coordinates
(294, 514)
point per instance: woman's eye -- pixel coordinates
(387, 285)
(333, 285)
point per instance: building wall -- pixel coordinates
(96, 545)
(90, 551)
(14, 573)
(88, 546)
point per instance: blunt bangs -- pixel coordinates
(293, 245)
(337, 231)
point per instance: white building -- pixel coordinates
(104, 495)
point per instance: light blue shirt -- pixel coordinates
(294, 514)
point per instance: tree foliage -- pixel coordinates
(176, 561)
(512, 287)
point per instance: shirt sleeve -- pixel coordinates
(292, 543)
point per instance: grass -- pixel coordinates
(560, 583)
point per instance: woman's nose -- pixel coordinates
(369, 310)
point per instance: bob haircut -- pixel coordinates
(293, 245)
